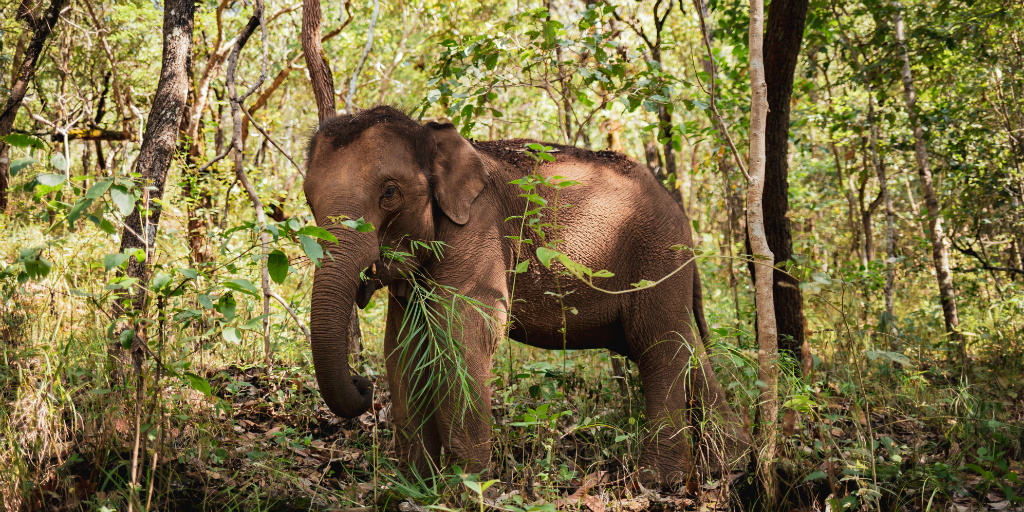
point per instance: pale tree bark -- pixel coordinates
(323, 90)
(41, 29)
(940, 253)
(154, 160)
(354, 82)
(767, 334)
(257, 20)
(890, 247)
(732, 201)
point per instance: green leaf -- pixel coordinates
(312, 249)
(76, 211)
(21, 163)
(97, 190)
(126, 338)
(123, 199)
(21, 140)
(360, 225)
(160, 281)
(255, 323)
(522, 266)
(603, 273)
(317, 232)
(189, 273)
(277, 266)
(545, 255)
(433, 95)
(231, 334)
(817, 475)
(226, 306)
(199, 384)
(114, 260)
(242, 285)
(50, 179)
(59, 162)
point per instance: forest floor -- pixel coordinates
(267, 442)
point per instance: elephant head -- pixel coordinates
(403, 178)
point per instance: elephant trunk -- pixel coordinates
(335, 285)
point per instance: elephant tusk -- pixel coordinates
(373, 268)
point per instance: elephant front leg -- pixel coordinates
(463, 415)
(417, 441)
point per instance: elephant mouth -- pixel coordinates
(376, 277)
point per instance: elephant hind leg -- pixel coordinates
(666, 457)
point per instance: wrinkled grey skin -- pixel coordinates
(428, 183)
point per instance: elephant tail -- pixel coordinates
(698, 307)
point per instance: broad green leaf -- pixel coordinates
(242, 285)
(114, 260)
(160, 281)
(204, 301)
(817, 475)
(360, 225)
(277, 266)
(199, 384)
(126, 338)
(51, 179)
(120, 283)
(522, 266)
(189, 273)
(76, 211)
(231, 334)
(317, 232)
(226, 306)
(545, 255)
(21, 140)
(97, 190)
(59, 162)
(21, 163)
(312, 249)
(123, 199)
(255, 323)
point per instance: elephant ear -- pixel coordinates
(459, 172)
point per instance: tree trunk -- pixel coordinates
(940, 254)
(883, 192)
(41, 30)
(783, 38)
(157, 150)
(316, 62)
(323, 90)
(767, 335)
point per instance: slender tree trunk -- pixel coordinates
(317, 66)
(890, 248)
(940, 254)
(786, 19)
(767, 335)
(323, 90)
(154, 160)
(41, 29)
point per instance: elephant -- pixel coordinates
(419, 183)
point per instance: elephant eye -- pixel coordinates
(388, 196)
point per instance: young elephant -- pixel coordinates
(426, 183)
